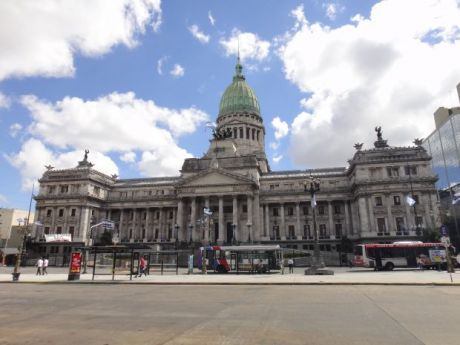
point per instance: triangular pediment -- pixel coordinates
(215, 177)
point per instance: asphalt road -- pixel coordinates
(136, 314)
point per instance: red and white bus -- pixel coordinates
(400, 254)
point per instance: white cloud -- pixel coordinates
(15, 128)
(74, 124)
(299, 15)
(276, 159)
(392, 69)
(332, 9)
(4, 101)
(211, 18)
(251, 46)
(34, 155)
(41, 39)
(177, 71)
(199, 35)
(160, 63)
(128, 157)
(281, 128)
(274, 145)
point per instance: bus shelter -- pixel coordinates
(125, 259)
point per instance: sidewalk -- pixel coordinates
(342, 276)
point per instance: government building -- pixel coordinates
(231, 196)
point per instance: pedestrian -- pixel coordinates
(420, 263)
(291, 265)
(45, 266)
(39, 267)
(142, 265)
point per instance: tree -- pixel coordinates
(106, 238)
(431, 235)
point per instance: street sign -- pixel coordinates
(444, 230)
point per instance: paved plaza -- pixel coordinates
(115, 314)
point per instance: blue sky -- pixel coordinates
(135, 81)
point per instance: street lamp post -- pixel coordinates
(312, 186)
(233, 233)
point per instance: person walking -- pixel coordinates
(45, 266)
(142, 265)
(291, 265)
(39, 267)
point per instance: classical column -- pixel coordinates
(372, 222)
(120, 226)
(331, 219)
(297, 228)
(180, 220)
(194, 233)
(389, 214)
(235, 217)
(426, 203)
(347, 217)
(256, 217)
(221, 238)
(148, 229)
(84, 224)
(250, 223)
(283, 224)
(267, 221)
(362, 209)
(207, 225)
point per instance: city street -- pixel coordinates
(149, 314)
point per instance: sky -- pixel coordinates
(136, 81)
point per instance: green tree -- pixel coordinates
(106, 238)
(431, 235)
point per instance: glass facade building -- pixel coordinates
(443, 144)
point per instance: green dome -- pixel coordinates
(239, 96)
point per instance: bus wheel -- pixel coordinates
(389, 266)
(221, 269)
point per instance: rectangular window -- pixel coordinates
(381, 227)
(419, 222)
(71, 230)
(73, 212)
(235, 132)
(245, 208)
(337, 209)
(291, 231)
(61, 212)
(400, 224)
(47, 230)
(171, 214)
(306, 231)
(247, 133)
(59, 230)
(275, 212)
(410, 170)
(393, 171)
(396, 200)
(290, 211)
(131, 215)
(322, 231)
(241, 133)
(144, 215)
(321, 209)
(253, 134)
(49, 213)
(338, 230)
(51, 189)
(378, 201)
(258, 132)
(157, 215)
(97, 190)
(305, 210)
(64, 189)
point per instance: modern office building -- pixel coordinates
(230, 195)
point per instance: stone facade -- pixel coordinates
(365, 201)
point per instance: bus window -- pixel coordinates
(359, 250)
